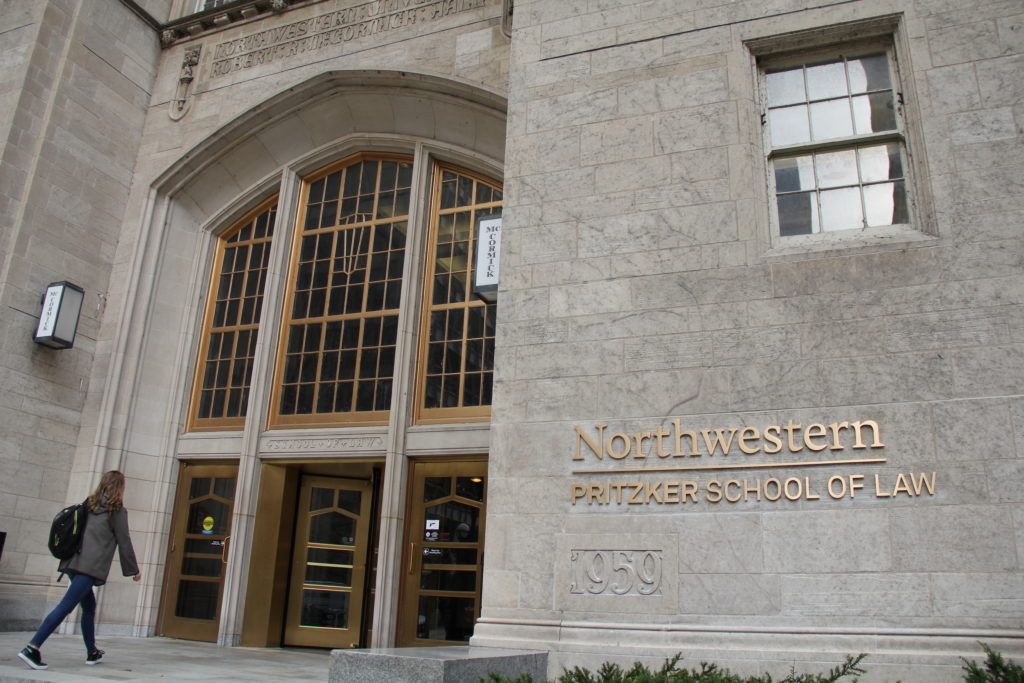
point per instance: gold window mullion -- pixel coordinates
(320, 356)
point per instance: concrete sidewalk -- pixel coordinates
(159, 659)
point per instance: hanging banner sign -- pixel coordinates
(488, 257)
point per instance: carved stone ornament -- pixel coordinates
(278, 6)
(183, 94)
(507, 7)
(189, 63)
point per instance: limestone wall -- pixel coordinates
(77, 79)
(641, 284)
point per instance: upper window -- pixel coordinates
(228, 343)
(835, 140)
(337, 352)
(205, 5)
(457, 355)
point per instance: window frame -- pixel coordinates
(767, 48)
(274, 418)
(842, 52)
(194, 423)
(456, 414)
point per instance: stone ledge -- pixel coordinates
(449, 664)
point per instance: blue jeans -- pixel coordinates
(79, 593)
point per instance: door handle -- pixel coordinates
(412, 556)
(224, 550)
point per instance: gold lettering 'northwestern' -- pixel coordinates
(687, 443)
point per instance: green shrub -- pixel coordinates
(670, 672)
(997, 669)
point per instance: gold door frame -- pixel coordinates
(195, 550)
(438, 564)
(319, 566)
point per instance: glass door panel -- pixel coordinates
(329, 563)
(441, 589)
(196, 559)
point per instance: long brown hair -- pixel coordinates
(109, 495)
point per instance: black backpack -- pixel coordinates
(67, 529)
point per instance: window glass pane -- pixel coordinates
(445, 618)
(350, 500)
(436, 487)
(841, 209)
(789, 126)
(874, 113)
(885, 204)
(836, 168)
(330, 556)
(449, 555)
(470, 487)
(825, 81)
(798, 214)
(324, 609)
(448, 580)
(197, 600)
(456, 522)
(831, 119)
(881, 162)
(321, 498)
(869, 73)
(794, 173)
(329, 575)
(785, 87)
(332, 528)
(224, 487)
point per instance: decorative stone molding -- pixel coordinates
(325, 445)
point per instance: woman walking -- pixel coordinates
(107, 527)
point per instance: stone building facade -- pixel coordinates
(749, 389)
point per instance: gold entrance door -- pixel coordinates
(445, 542)
(197, 557)
(332, 542)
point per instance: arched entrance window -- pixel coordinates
(457, 354)
(235, 303)
(336, 358)
(336, 353)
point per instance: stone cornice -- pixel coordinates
(230, 14)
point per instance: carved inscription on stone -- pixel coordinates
(615, 572)
(337, 444)
(332, 29)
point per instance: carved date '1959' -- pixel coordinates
(616, 572)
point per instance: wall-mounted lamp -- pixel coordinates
(58, 319)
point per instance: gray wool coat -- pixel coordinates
(102, 533)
